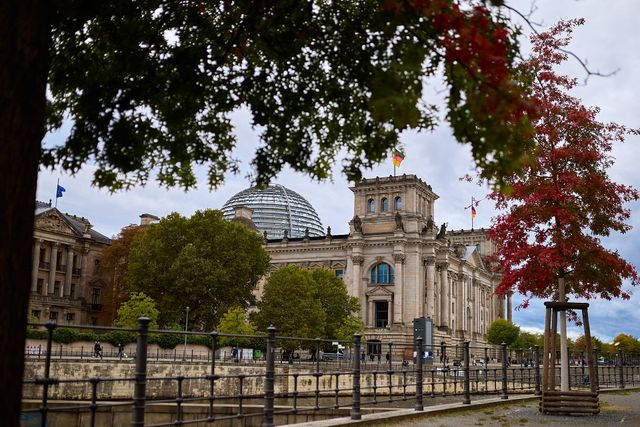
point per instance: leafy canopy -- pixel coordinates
(235, 322)
(138, 305)
(308, 304)
(150, 86)
(502, 331)
(564, 201)
(114, 262)
(204, 262)
(289, 305)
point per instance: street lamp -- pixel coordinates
(186, 324)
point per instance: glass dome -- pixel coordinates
(275, 209)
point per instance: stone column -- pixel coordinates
(461, 303)
(445, 306)
(52, 269)
(370, 314)
(398, 295)
(357, 287)
(84, 253)
(35, 266)
(69, 274)
(509, 308)
(430, 262)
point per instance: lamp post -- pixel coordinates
(186, 324)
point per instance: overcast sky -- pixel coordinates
(610, 40)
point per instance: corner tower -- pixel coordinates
(378, 201)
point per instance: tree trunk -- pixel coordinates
(564, 353)
(24, 35)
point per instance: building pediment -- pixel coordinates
(379, 291)
(52, 221)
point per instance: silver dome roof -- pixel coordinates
(275, 209)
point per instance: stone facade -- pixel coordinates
(401, 266)
(66, 282)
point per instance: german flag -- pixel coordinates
(398, 157)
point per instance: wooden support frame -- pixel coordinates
(566, 402)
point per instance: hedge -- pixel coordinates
(68, 336)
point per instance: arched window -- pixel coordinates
(382, 274)
(384, 204)
(397, 203)
(371, 205)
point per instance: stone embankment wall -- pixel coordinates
(117, 380)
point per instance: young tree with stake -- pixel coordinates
(564, 202)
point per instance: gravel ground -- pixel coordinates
(617, 408)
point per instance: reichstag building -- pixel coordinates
(395, 259)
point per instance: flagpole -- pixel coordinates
(57, 185)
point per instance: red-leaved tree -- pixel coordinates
(564, 202)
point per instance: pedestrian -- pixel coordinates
(97, 350)
(387, 356)
(363, 356)
(372, 356)
(120, 351)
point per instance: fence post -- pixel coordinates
(596, 369)
(140, 388)
(504, 371)
(267, 421)
(355, 406)
(620, 367)
(418, 347)
(536, 369)
(47, 367)
(467, 395)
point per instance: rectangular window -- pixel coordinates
(381, 314)
(95, 296)
(40, 285)
(71, 317)
(36, 314)
(340, 274)
(53, 315)
(56, 287)
(72, 291)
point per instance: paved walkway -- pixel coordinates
(618, 408)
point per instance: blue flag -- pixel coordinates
(59, 191)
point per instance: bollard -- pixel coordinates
(504, 371)
(267, 421)
(355, 405)
(467, 395)
(140, 387)
(418, 347)
(536, 369)
(620, 367)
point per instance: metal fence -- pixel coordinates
(217, 390)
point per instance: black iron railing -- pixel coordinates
(164, 388)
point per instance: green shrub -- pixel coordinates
(118, 337)
(37, 334)
(168, 341)
(64, 335)
(87, 336)
(199, 340)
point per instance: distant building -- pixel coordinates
(67, 285)
(402, 266)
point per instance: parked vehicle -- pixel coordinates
(338, 355)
